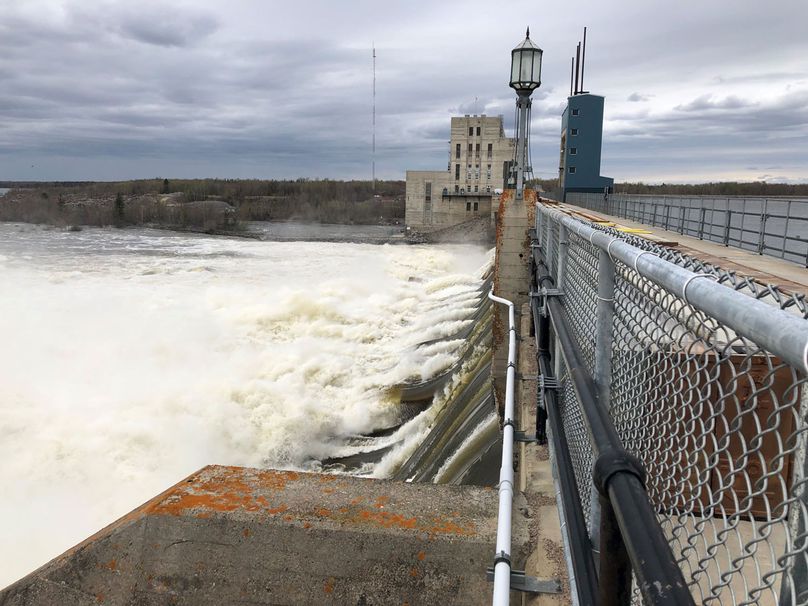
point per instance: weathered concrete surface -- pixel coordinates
(230, 535)
(511, 272)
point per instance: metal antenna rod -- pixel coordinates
(583, 61)
(373, 160)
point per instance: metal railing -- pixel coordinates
(677, 408)
(776, 227)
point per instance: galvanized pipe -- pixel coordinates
(776, 330)
(502, 558)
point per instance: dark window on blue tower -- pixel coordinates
(575, 112)
(572, 170)
(573, 151)
(574, 132)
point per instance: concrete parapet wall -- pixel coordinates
(230, 535)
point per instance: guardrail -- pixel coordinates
(678, 419)
(771, 226)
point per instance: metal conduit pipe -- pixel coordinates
(773, 329)
(502, 558)
(618, 476)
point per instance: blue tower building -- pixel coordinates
(581, 136)
(581, 139)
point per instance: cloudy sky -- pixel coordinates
(117, 89)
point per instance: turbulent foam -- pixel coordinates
(131, 358)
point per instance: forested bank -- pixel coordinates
(203, 203)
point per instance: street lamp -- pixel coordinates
(525, 78)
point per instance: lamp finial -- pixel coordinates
(527, 35)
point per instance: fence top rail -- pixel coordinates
(799, 199)
(778, 331)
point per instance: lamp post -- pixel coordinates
(525, 78)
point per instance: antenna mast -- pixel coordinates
(373, 161)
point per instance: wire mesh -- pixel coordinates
(720, 424)
(582, 278)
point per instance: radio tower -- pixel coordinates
(373, 159)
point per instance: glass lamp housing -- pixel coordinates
(526, 66)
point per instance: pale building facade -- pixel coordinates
(479, 160)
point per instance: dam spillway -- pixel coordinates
(96, 314)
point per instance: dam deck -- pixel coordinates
(789, 276)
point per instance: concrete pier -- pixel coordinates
(231, 535)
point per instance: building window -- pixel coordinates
(475, 191)
(488, 189)
(575, 112)
(457, 188)
(457, 172)
(428, 191)
(468, 206)
(573, 151)
(478, 131)
(471, 131)
(477, 151)
(490, 150)
(572, 170)
(457, 150)
(475, 207)
(574, 132)
(470, 148)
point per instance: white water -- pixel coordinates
(131, 358)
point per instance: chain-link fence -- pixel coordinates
(777, 227)
(704, 378)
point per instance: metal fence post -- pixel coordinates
(762, 235)
(667, 215)
(727, 225)
(701, 223)
(785, 230)
(796, 591)
(603, 374)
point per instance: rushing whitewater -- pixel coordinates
(131, 358)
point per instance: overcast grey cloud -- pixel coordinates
(113, 89)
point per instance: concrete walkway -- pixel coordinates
(790, 277)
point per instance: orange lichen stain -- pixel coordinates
(442, 526)
(322, 512)
(288, 518)
(227, 491)
(246, 532)
(381, 502)
(276, 510)
(454, 514)
(111, 565)
(328, 490)
(306, 525)
(357, 500)
(413, 572)
(386, 519)
(99, 597)
(343, 510)
(327, 478)
(203, 515)
(328, 586)
(421, 556)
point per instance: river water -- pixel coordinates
(131, 358)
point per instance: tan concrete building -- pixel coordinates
(479, 159)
